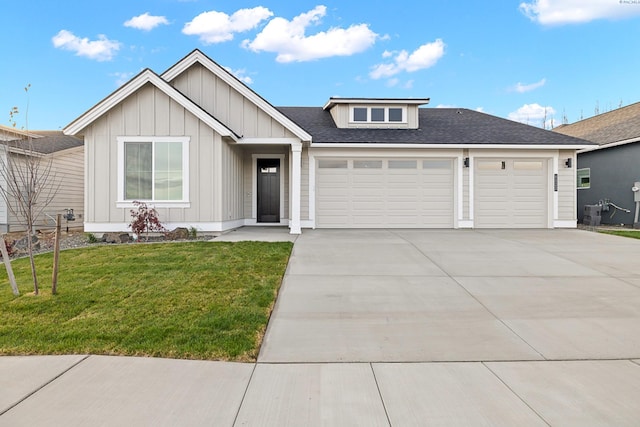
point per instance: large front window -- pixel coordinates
(153, 169)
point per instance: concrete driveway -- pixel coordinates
(457, 295)
(390, 328)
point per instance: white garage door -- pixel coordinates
(377, 193)
(511, 193)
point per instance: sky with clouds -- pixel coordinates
(541, 62)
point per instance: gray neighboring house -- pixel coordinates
(208, 152)
(66, 154)
(607, 172)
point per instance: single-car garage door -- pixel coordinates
(377, 193)
(511, 193)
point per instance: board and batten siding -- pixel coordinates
(232, 183)
(228, 105)
(149, 112)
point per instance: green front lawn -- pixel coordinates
(193, 300)
(635, 234)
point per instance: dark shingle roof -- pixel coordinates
(617, 125)
(437, 126)
(48, 141)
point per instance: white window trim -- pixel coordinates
(386, 114)
(184, 203)
(583, 188)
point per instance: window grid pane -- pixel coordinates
(403, 164)
(168, 171)
(138, 170)
(367, 164)
(584, 178)
(395, 114)
(377, 114)
(332, 164)
(359, 114)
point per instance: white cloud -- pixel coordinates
(146, 22)
(559, 12)
(240, 74)
(217, 27)
(122, 78)
(289, 41)
(102, 49)
(522, 88)
(424, 57)
(533, 114)
(393, 82)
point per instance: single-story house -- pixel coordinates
(608, 172)
(208, 152)
(61, 169)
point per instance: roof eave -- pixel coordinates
(591, 148)
(333, 101)
(447, 146)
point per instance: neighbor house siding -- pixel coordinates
(149, 112)
(68, 169)
(4, 214)
(64, 172)
(613, 173)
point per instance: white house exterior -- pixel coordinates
(208, 152)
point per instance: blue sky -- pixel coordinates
(514, 59)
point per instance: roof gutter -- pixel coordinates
(448, 146)
(609, 145)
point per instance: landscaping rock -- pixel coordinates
(22, 244)
(179, 233)
(116, 237)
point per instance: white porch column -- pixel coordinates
(296, 171)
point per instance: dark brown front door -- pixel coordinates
(268, 190)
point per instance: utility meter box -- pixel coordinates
(592, 215)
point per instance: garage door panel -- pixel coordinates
(513, 197)
(399, 193)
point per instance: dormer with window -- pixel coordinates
(389, 113)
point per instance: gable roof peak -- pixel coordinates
(124, 91)
(197, 56)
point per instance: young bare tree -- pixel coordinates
(28, 183)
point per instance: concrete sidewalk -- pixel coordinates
(401, 328)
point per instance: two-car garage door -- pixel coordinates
(393, 193)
